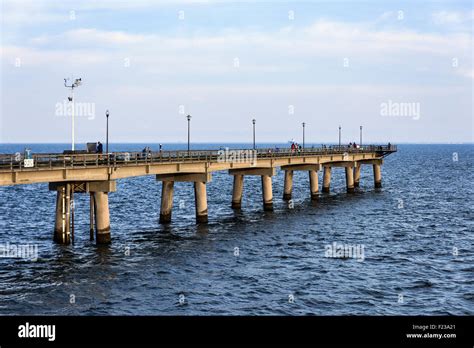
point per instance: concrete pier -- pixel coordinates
(313, 184)
(201, 201)
(166, 201)
(349, 179)
(237, 191)
(288, 186)
(68, 174)
(326, 179)
(377, 176)
(267, 193)
(357, 176)
(102, 217)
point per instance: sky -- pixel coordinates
(401, 69)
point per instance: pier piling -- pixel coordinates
(326, 179)
(267, 193)
(62, 222)
(201, 201)
(166, 201)
(377, 176)
(357, 175)
(349, 179)
(313, 184)
(102, 217)
(237, 191)
(288, 188)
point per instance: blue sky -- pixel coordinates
(226, 62)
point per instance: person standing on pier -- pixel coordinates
(100, 147)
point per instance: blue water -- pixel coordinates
(417, 234)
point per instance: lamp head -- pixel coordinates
(188, 117)
(107, 113)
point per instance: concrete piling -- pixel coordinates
(237, 191)
(313, 184)
(62, 222)
(102, 217)
(91, 216)
(349, 179)
(377, 176)
(201, 201)
(288, 188)
(357, 176)
(326, 179)
(166, 201)
(267, 193)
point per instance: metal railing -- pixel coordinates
(13, 162)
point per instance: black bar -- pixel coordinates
(242, 330)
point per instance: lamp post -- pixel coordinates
(304, 124)
(339, 136)
(77, 83)
(360, 140)
(107, 134)
(253, 122)
(189, 128)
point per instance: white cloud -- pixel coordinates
(324, 37)
(452, 17)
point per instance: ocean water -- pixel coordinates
(414, 237)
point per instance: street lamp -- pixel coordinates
(304, 124)
(253, 122)
(107, 134)
(76, 83)
(189, 127)
(360, 140)
(339, 136)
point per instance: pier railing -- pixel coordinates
(11, 162)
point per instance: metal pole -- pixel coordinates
(303, 134)
(107, 136)
(72, 101)
(189, 133)
(360, 141)
(253, 121)
(339, 136)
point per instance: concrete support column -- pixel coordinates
(62, 234)
(166, 201)
(377, 176)
(201, 201)
(267, 192)
(91, 217)
(349, 179)
(102, 217)
(288, 188)
(327, 179)
(237, 192)
(313, 184)
(357, 176)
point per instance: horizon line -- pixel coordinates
(250, 143)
